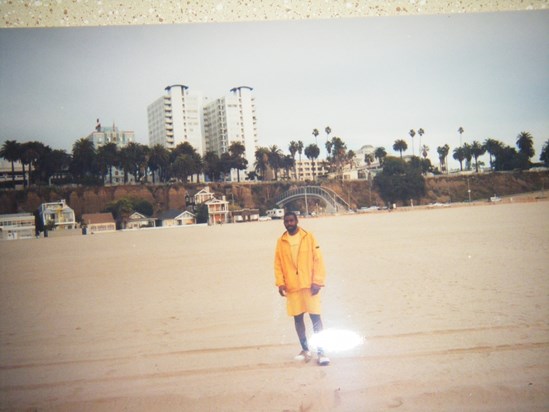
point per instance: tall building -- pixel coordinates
(176, 117)
(229, 119)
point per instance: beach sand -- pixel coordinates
(452, 303)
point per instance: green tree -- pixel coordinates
(11, 151)
(107, 157)
(544, 156)
(380, 154)
(400, 181)
(84, 160)
(239, 162)
(202, 214)
(477, 150)
(288, 163)
(261, 164)
(182, 167)
(312, 152)
(369, 159)
(212, 167)
(400, 146)
(460, 131)
(315, 134)
(492, 146)
(337, 153)
(159, 161)
(525, 144)
(412, 134)
(442, 155)
(294, 148)
(459, 155)
(275, 159)
(468, 155)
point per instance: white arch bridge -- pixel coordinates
(334, 202)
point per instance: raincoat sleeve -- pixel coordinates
(279, 274)
(319, 271)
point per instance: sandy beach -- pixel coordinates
(452, 304)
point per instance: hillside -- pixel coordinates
(441, 189)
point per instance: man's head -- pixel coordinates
(290, 222)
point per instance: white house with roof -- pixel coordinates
(17, 226)
(172, 218)
(57, 213)
(218, 209)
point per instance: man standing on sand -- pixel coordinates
(299, 274)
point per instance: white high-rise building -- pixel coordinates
(229, 119)
(176, 117)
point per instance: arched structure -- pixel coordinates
(334, 202)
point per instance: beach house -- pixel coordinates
(57, 215)
(171, 218)
(137, 221)
(17, 226)
(97, 223)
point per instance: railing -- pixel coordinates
(334, 202)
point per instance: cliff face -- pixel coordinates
(260, 195)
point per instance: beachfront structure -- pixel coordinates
(306, 170)
(138, 221)
(176, 117)
(17, 226)
(97, 223)
(245, 215)
(121, 138)
(171, 218)
(230, 119)
(218, 209)
(57, 214)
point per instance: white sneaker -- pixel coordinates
(303, 356)
(323, 360)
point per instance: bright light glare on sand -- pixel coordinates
(333, 340)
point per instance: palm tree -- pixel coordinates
(460, 131)
(544, 156)
(315, 134)
(425, 151)
(312, 151)
(159, 159)
(525, 144)
(368, 159)
(492, 146)
(294, 148)
(468, 155)
(459, 155)
(11, 151)
(275, 159)
(107, 157)
(380, 154)
(400, 146)
(237, 150)
(84, 159)
(442, 154)
(477, 150)
(328, 130)
(30, 154)
(261, 161)
(288, 162)
(420, 132)
(412, 133)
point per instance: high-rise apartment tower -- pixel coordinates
(176, 117)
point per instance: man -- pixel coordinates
(300, 274)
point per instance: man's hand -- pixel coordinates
(282, 290)
(315, 289)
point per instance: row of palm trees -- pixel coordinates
(88, 164)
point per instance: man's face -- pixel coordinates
(290, 223)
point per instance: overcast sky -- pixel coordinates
(371, 80)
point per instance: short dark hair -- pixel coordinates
(290, 214)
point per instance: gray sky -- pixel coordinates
(371, 80)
